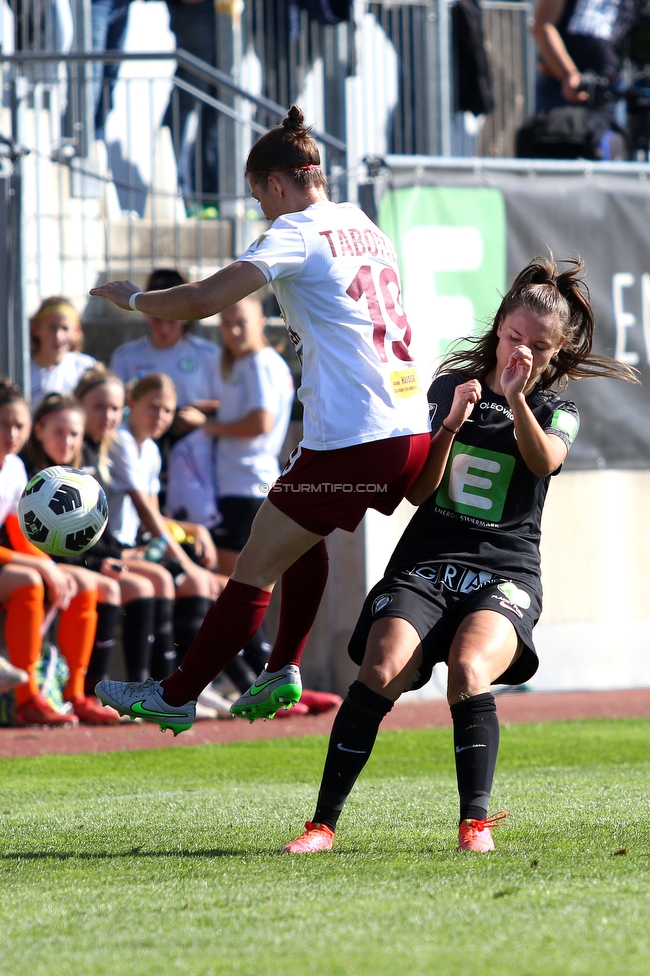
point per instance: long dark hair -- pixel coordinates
(544, 289)
(34, 454)
(288, 149)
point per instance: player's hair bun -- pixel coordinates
(295, 119)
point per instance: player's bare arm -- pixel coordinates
(555, 56)
(192, 301)
(465, 396)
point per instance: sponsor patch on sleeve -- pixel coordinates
(405, 383)
(565, 422)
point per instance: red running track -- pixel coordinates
(513, 707)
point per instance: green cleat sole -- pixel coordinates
(176, 729)
(283, 697)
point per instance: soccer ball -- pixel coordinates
(63, 511)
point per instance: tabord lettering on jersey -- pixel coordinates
(353, 242)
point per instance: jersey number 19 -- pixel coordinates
(363, 284)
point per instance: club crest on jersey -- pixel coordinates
(187, 365)
(513, 598)
(380, 603)
(512, 592)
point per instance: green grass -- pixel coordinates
(166, 862)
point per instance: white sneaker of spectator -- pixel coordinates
(11, 677)
(210, 698)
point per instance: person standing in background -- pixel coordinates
(574, 37)
(109, 22)
(194, 25)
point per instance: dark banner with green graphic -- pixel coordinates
(461, 237)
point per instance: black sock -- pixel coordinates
(137, 637)
(258, 650)
(189, 612)
(240, 673)
(352, 738)
(100, 659)
(476, 745)
(163, 655)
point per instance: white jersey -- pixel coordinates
(133, 468)
(61, 378)
(336, 279)
(260, 381)
(192, 363)
(191, 492)
(13, 479)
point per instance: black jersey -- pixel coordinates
(487, 510)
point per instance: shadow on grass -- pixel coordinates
(134, 852)
(347, 851)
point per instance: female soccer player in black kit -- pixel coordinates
(463, 585)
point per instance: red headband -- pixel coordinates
(289, 169)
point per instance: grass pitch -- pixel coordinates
(166, 862)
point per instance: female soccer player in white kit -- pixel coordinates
(366, 425)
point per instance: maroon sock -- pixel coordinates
(228, 625)
(303, 585)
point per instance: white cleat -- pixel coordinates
(143, 699)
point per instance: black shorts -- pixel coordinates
(237, 514)
(436, 597)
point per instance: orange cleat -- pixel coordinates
(317, 837)
(36, 711)
(474, 835)
(90, 711)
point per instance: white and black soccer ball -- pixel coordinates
(63, 510)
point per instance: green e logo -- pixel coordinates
(476, 482)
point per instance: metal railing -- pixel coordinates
(511, 54)
(155, 189)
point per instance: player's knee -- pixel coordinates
(136, 588)
(468, 674)
(109, 590)
(25, 576)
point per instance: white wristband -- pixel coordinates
(132, 300)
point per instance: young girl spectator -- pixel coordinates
(192, 363)
(147, 587)
(56, 338)
(133, 501)
(56, 438)
(251, 425)
(27, 578)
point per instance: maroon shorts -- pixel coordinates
(327, 490)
